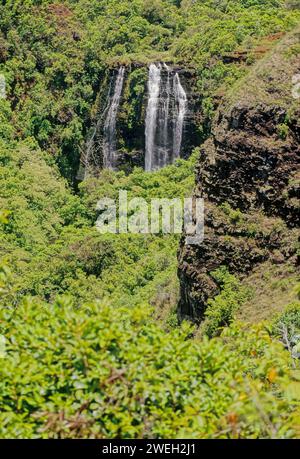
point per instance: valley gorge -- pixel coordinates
(126, 128)
(244, 164)
(242, 176)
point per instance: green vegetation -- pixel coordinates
(101, 372)
(283, 131)
(55, 64)
(287, 327)
(90, 344)
(93, 361)
(53, 248)
(221, 310)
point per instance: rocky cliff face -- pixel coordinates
(248, 173)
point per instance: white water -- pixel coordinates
(109, 131)
(166, 110)
(181, 104)
(151, 114)
(89, 156)
(165, 114)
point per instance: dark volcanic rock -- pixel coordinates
(247, 164)
(251, 162)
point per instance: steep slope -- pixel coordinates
(248, 173)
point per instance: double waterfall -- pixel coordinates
(167, 105)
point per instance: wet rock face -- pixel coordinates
(251, 162)
(191, 136)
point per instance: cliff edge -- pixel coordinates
(248, 174)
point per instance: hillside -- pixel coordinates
(248, 173)
(137, 334)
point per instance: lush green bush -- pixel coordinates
(98, 371)
(286, 326)
(221, 310)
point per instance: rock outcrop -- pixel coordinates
(248, 174)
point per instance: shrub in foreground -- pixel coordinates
(104, 373)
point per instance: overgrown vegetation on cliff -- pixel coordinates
(90, 344)
(54, 55)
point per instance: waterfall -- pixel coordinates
(164, 121)
(151, 114)
(181, 105)
(90, 156)
(166, 109)
(109, 130)
(162, 136)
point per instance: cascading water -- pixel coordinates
(163, 121)
(90, 157)
(109, 130)
(166, 109)
(151, 115)
(165, 115)
(181, 104)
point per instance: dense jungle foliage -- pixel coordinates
(54, 63)
(90, 342)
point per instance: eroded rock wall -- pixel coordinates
(250, 163)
